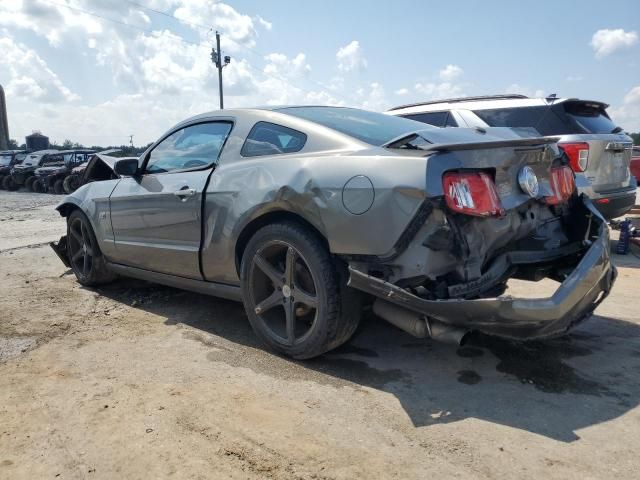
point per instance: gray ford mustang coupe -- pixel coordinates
(309, 214)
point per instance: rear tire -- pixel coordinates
(9, 184)
(295, 292)
(58, 187)
(71, 183)
(85, 257)
(1, 179)
(29, 183)
(37, 186)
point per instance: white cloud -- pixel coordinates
(574, 78)
(524, 90)
(280, 64)
(264, 23)
(436, 91)
(450, 73)
(29, 76)
(605, 42)
(350, 57)
(402, 91)
(627, 115)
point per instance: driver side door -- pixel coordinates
(157, 215)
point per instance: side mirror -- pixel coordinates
(126, 168)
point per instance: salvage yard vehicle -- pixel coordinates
(9, 158)
(306, 213)
(51, 177)
(599, 152)
(24, 173)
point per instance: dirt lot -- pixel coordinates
(135, 380)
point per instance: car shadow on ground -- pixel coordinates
(552, 388)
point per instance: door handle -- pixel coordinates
(185, 192)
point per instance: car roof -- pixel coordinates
(44, 152)
(485, 103)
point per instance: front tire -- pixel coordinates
(71, 183)
(9, 184)
(295, 292)
(58, 187)
(87, 262)
(29, 183)
(38, 186)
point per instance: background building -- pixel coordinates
(36, 141)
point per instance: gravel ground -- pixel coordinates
(135, 380)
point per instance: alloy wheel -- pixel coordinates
(80, 247)
(283, 293)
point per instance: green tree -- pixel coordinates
(636, 138)
(13, 144)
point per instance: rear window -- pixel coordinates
(270, 139)
(369, 127)
(592, 118)
(544, 119)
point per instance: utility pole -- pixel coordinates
(217, 59)
(131, 140)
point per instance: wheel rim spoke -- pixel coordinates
(76, 235)
(290, 266)
(269, 270)
(268, 303)
(290, 315)
(76, 256)
(85, 264)
(305, 298)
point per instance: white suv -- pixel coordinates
(598, 151)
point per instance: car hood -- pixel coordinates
(48, 170)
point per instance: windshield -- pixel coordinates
(31, 160)
(591, 117)
(5, 159)
(369, 127)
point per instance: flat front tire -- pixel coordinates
(295, 292)
(87, 262)
(9, 184)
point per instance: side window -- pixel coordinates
(437, 119)
(542, 118)
(49, 159)
(270, 139)
(451, 122)
(194, 146)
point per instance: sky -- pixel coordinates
(97, 71)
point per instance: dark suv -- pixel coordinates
(8, 159)
(24, 173)
(598, 151)
(51, 178)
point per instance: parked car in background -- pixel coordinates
(599, 152)
(8, 159)
(304, 213)
(634, 166)
(51, 178)
(23, 174)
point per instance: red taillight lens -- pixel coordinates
(562, 184)
(578, 154)
(472, 194)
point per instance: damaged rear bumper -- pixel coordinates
(517, 318)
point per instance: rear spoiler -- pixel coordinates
(523, 142)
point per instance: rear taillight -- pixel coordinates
(578, 154)
(472, 194)
(562, 184)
